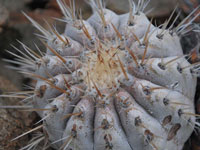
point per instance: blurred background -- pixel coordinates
(14, 26)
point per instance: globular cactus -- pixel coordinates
(113, 82)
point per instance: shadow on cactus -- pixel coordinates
(111, 82)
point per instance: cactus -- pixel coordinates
(112, 82)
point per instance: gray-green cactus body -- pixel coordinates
(114, 82)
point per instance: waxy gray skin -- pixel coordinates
(151, 103)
